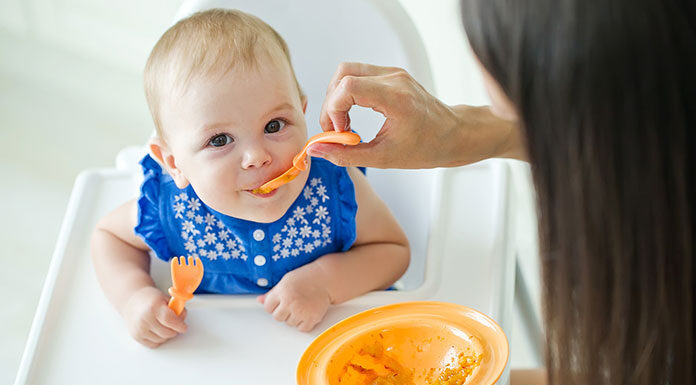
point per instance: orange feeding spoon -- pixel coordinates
(185, 280)
(299, 163)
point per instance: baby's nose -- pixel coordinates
(255, 156)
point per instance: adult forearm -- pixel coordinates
(479, 134)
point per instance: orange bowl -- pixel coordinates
(418, 343)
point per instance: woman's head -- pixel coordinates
(606, 94)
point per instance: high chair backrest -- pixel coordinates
(320, 35)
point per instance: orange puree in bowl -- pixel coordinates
(406, 355)
(372, 366)
(458, 373)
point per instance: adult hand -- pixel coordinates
(419, 130)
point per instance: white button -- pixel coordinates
(260, 260)
(259, 235)
(262, 282)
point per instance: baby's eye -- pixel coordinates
(220, 140)
(274, 126)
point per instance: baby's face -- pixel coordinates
(232, 134)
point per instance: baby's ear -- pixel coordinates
(161, 152)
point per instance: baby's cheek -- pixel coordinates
(284, 158)
(222, 200)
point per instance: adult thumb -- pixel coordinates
(344, 156)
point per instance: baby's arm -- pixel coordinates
(122, 265)
(379, 256)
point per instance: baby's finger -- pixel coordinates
(281, 313)
(293, 320)
(306, 326)
(260, 299)
(151, 337)
(149, 343)
(271, 302)
(167, 318)
(299, 326)
(162, 331)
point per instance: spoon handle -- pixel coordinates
(346, 137)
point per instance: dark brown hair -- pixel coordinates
(606, 93)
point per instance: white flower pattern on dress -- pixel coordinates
(178, 209)
(304, 231)
(311, 221)
(187, 226)
(194, 204)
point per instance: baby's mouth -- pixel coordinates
(254, 192)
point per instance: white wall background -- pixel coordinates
(71, 97)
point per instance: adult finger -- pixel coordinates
(357, 69)
(364, 91)
(363, 154)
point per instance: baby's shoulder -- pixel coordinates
(159, 190)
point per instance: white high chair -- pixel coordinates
(457, 221)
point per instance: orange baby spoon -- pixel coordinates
(299, 163)
(185, 280)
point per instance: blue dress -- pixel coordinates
(240, 256)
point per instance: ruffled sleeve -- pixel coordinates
(149, 226)
(348, 208)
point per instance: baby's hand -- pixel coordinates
(150, 321)
(298, 301)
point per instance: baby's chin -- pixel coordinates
(271, 214)
(260, 210)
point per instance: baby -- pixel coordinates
(229, 114)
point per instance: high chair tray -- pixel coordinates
(78, 338)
